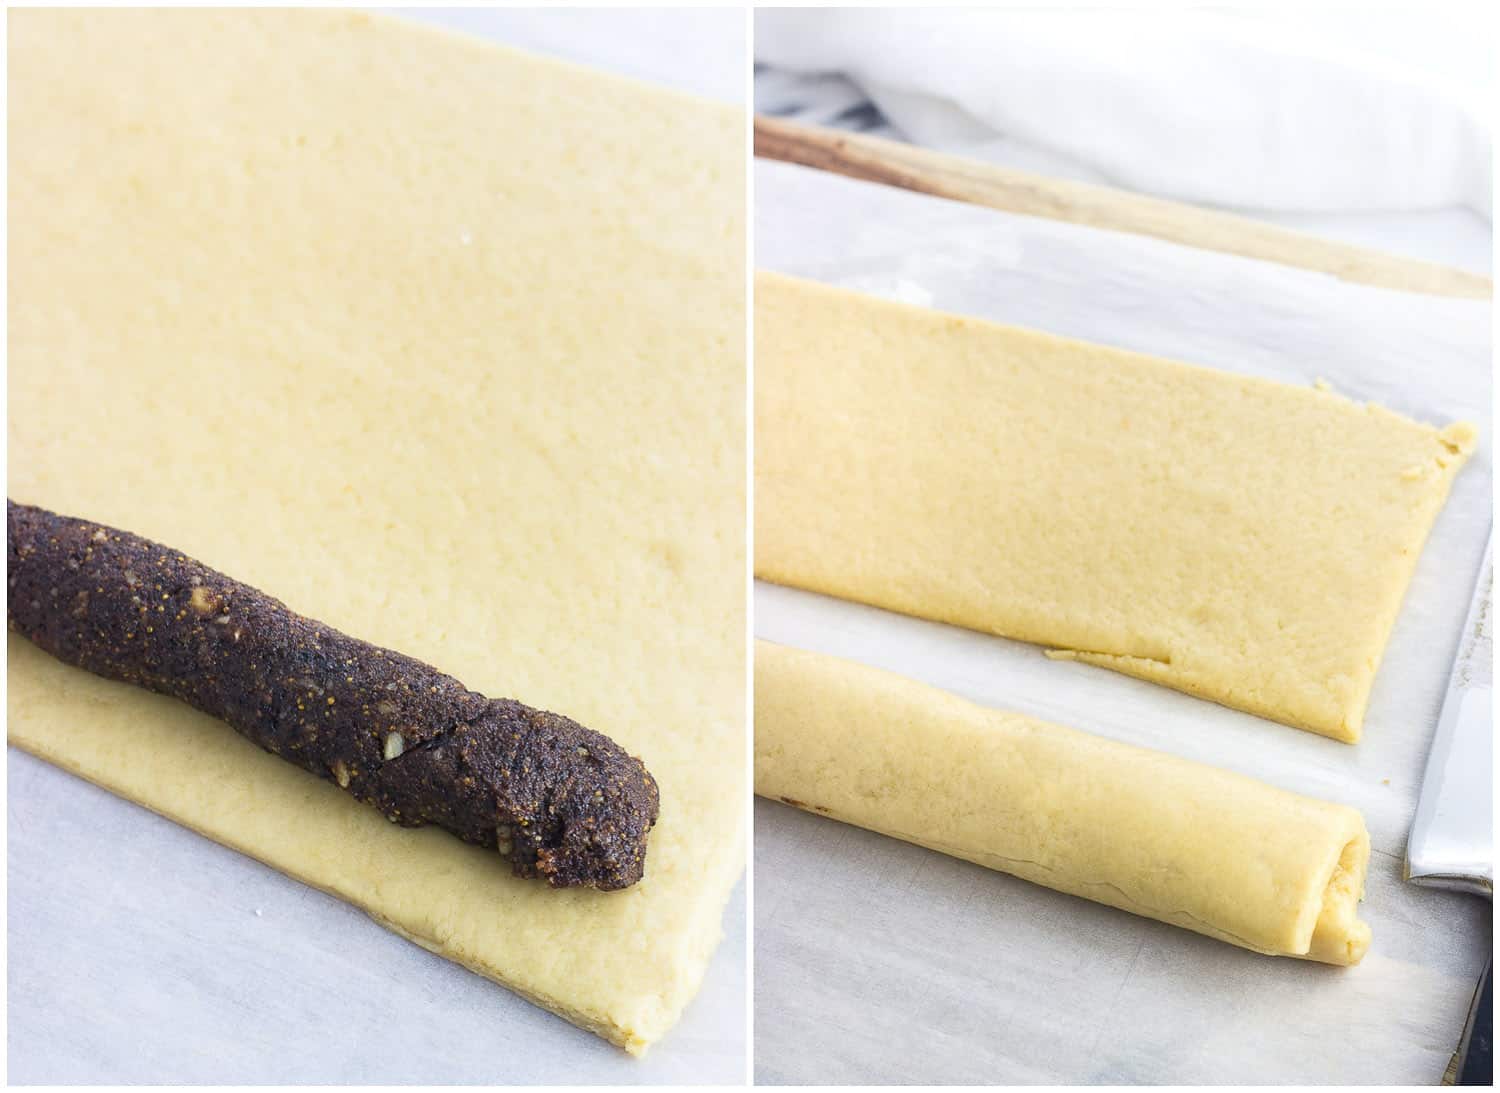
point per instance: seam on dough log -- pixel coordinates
(1346, 938)
(1348, 949)
(1161, 914)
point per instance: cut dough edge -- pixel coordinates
(1345, 726)
(636, 1039)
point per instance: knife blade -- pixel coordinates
(1452, 836)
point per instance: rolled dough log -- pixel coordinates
(1189, 844)
(419, 333)
(1239, 539)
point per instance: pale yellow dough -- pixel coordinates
(1236, 538)
(1188, 844)
(441, 344)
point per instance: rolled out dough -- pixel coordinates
(1233, 537)
(1182, 842)
(418, 335)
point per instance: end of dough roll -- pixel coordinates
(1154, 834)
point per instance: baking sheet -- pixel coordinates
(142, 952)
(880, 962)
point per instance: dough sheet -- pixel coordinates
(1233, 537)
(1148, 832)
(419, 335)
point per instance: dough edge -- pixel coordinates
(1337, 713)
(634, 1034)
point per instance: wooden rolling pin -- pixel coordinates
(959, 179)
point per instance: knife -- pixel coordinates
(1452, 837)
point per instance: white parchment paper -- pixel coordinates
(141, 952)
(880, 962)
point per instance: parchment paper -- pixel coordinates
(880, 962)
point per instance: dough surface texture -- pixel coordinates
(1233, 537)
(419, 335)
(1150, 833)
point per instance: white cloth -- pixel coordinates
(1206, 107)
